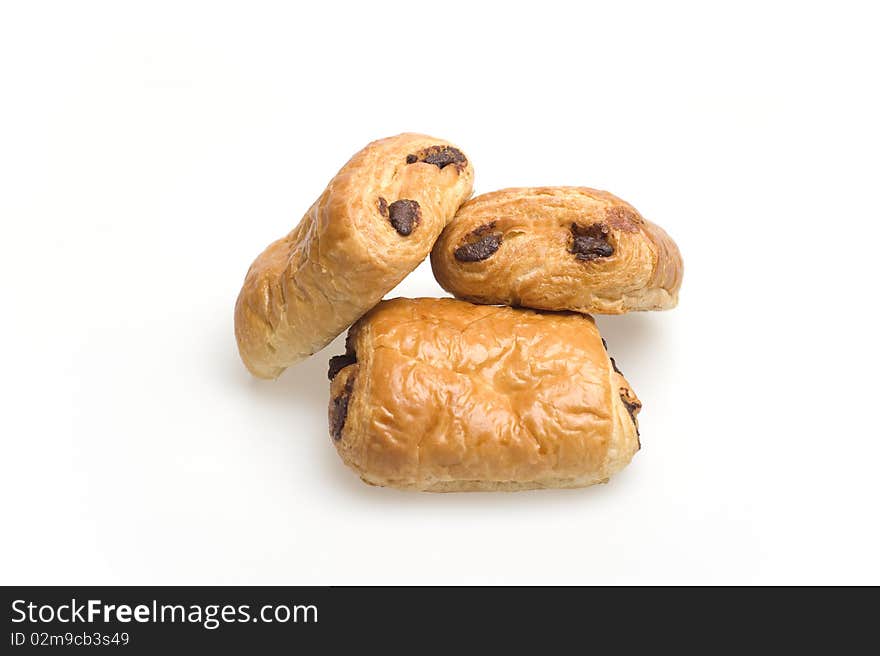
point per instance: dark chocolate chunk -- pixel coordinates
(479, 244)
(340, 362)
(339, 410)
(590, 242)
(587, 248)
(404, 215)
(478, 250)
(613, 363)
(383, 207)
(439, 156)
(632, 407)
(445, 156)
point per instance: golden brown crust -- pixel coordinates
(441, 395)
(352, 246)
(558, 248)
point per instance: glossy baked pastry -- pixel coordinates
(558, 248)
(376, 220)
(441, 395)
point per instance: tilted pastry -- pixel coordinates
(376, 220)
(441, 395)
(558, 248)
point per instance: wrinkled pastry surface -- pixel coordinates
(558, 248)
(376, 220)
(443, 395)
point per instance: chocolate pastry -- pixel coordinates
(441, 395)
(557, 248)
(376, 220)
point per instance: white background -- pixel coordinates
(149, 151)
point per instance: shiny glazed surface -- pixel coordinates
(444, 395)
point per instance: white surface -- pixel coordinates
(149, 151)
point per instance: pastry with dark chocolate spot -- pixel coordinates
(376, 221)
(557, 248)
(339, 409)
(448, 396)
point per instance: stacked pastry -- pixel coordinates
(508, 388)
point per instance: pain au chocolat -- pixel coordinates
(558, 248)
(376, 220)
(442, 395)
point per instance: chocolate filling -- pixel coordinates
(613, 363)
(590, 242)
(632, 408)
(479, 245)
(404, 215)
(383, 207)
(340, 362)
(339, 410)
(478, 250)
(439, 156)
